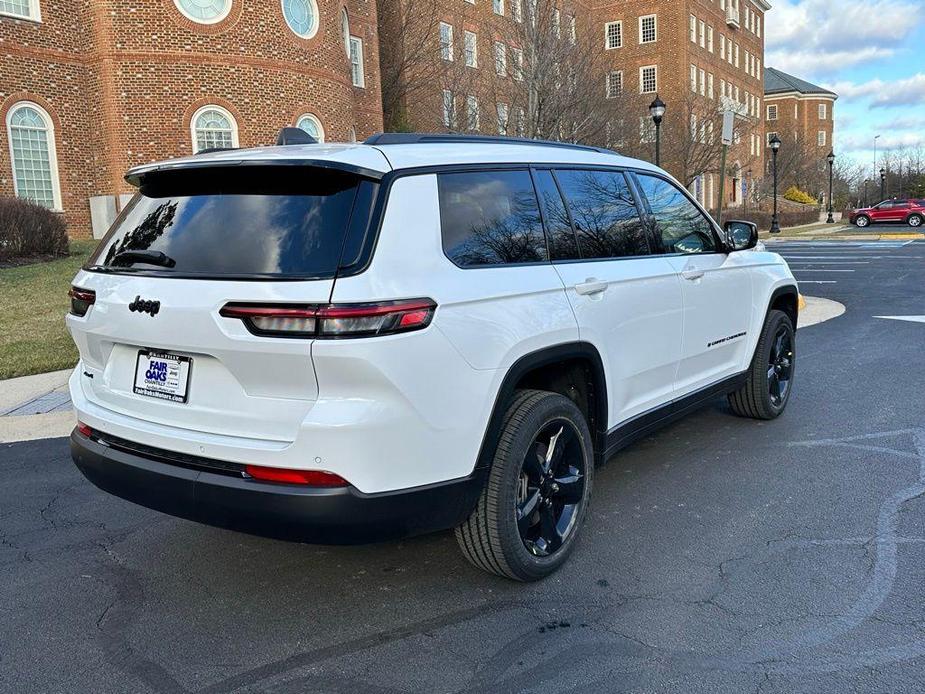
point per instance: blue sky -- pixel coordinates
(870, 52)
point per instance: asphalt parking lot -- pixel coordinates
(721, 555)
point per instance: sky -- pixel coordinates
(869, 52)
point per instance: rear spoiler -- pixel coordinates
(136, 174)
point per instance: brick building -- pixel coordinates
(91, 88)
(700, 56)
(799, 111)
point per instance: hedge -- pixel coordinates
(28, 230)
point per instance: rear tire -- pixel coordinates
(862, 221)
(529, 514)
(770, 376)
(915, 220)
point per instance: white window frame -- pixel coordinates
(693, 29)
(556, 23)
(446, 48)
(35, 13)
(314, 119)
(504, 120)
(474, 53)
(608, 87)
(497, 6)
(654, 18)
(500, 51)
(703, 34)
(213, 107)
(768, 137)
(517, 63)
(517, 10)
(314, 30)
(357, 68)
(710, 86)
(345, 29)
(823, 112)
(693, 78)
(472, 108)
(769, 111)
(710, 39)
(822, 138)
(52, 150)
(572, 29)
(449, 108)
(215, 20)
(642, 69)
(619, 44)
(703, 82)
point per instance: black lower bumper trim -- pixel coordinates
(341, 515)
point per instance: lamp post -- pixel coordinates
(882, 185)
(657, 111)
(831, 159)
(774, 144)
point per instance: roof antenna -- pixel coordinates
(294, 136)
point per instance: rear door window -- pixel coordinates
(562, 242)
(680, 226)
(604, 213)
(490, 218)
(241, 222)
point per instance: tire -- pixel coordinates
(862, 221)
(495, 537)
(914, 220)
(772, 361)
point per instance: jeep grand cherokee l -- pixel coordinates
(346, 343)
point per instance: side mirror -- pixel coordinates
(740, 236)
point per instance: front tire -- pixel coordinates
(770, 376)
(528, 517)
(915, 220)
(862, 221)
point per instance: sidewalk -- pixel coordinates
(35, 407)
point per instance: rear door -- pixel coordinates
(627, 301)
(716, 287)
(154, 346)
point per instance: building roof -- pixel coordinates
(777, 82)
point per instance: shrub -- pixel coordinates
(796, 195)
(30, 230)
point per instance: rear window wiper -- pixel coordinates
(147, 257)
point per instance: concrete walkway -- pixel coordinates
(38, 407)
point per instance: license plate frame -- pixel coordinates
(176, 370)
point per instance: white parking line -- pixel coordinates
(817, 282)
(829, 262)
(820, 270)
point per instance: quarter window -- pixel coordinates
(201, 11)
(490, 218)
(604, 214)
(301, 16)
(213, 126)
(310, 124)
(681, 227)
(32, 146)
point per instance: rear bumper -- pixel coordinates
(289, 512)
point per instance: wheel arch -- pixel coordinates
(786, 299)
(552, 368)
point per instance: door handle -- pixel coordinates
(590, 286)
(692, 274)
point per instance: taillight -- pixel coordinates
(311, 478)
(84, 429)
(81, 300)
(334, 320)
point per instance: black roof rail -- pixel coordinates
(294, 136)
(209, 150)
(439, 138)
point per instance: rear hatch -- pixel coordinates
(153, 343)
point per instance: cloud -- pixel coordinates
(902, 92)
(886, 143)
(828, 35)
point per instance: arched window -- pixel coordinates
(301, 16)
(345, 30)
(32, 151)
(204, 11)
(213, 126)
(310, 124)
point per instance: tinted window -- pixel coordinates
(490, 218)
(604, 213)
(215, 222)
(681, 226)
(562, 243)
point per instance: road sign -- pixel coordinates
(728, 125)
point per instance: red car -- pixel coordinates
(911, 212)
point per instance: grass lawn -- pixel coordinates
(33, 338)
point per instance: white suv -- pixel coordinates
(347, 343)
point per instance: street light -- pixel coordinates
(657, 111)
(831, 159)
(882, 185)
(774, 144)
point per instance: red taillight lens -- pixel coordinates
(334, 320)
(310, 478)
(81, 300)
(84, 429)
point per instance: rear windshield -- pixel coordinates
(235, 222)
